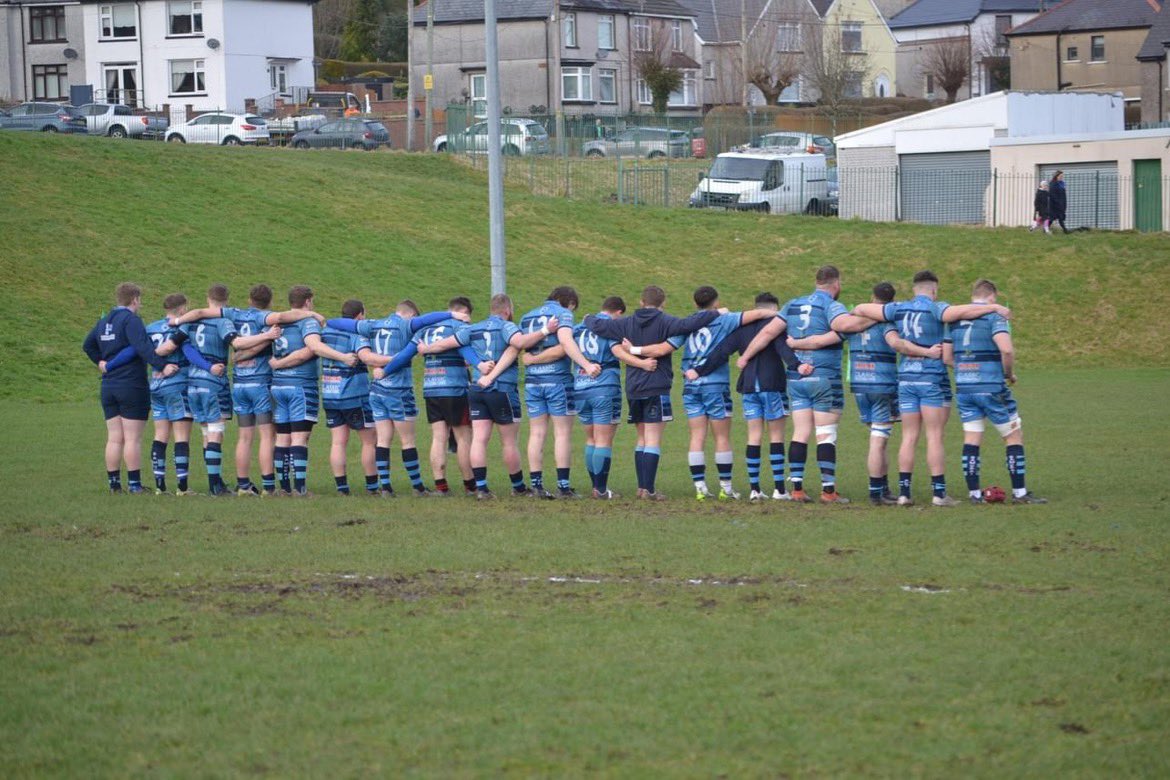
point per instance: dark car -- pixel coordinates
(47, 117)
(353, 133)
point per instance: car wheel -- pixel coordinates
(595, 153)
(117, 131)
(231, 140)
(813, 207)
(301, 145)
(49, 129)
(512, 150)
(176, 139)
(655, 155)
(441, 148)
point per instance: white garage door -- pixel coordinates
(944, 188)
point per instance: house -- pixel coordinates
(42, 50)
(930, 30)
(1084, 45)
(191, 55)
(1155, 69)
(584, 62)
(856, 37)
(935, 166)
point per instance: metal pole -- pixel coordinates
(428, 79)
(410, 75)
(495, 153)
(743, 52)
(558, 84)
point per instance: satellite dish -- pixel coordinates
(602, 54)
(213, 43)
(70, 54)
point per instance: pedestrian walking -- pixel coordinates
(1057, 200)
(1041, 208)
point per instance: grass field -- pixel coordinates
(158, 636)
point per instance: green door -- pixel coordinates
(1147, 195)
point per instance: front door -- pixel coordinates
(1147, 195)
(122, 84)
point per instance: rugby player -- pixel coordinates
(345, 393)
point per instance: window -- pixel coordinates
(569, 25)
(576, 84)
(788, 37)
(1003, 23)
(187, 77)
(852, 85)
(645, 98)
(929, 85)
(687, 93)
(605, 37)
(607, 85)
(676, 35)
(278, 77)
(50, 82)
(1072, 54)
(186, 17)
(851, 36)
(1097, 48)
(641, 34)
(46, 24)
(791, 93)
(118, 20)
(479, 94)
(709, 69)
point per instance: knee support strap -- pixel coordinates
(1008, 428)
(880, 430)
(828, 432)
(974, 426)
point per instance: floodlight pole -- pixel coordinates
(409, 75)
(428, 79)
(495, 160)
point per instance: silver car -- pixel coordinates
(651, 142)
(791, 141)
(517, 137)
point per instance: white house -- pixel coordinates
(207, 54)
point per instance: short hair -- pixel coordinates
(406, 304)
(218, 293)
(299, 295)
(923, 277)
(884, 292)
(460, 302)
(767, 298)
(352, 308)
(705, 296)
(126, 293)
(827, 274)
(174, 301)
(983, 288)
(500, 303)
(565, 296)
(614, 303)
(261, 296)
(653, 296)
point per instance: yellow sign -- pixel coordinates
(428, 82)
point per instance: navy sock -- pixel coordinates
(517, 480)
(114, 479)
(244, 483)
(827, 461)
(639, 452)
(441, 486)
(776, 459)
(602, 458)
(971, 463)
(182, 462)
(751, 459)
(885, 478)
(725, 466)
(537, 479)
(938, 484)
(563, 479)
(371, 483)
(158, 463)
(480, 480)
(797, 455)
(698, 464)
(650, 457)
(342, 484)
(280, 458)
(382, 463)
(213, 459)
(300, 467)
(1015, 465)
(875, 487)
(134, 479)
(410, 463)
(469, 485)
(904, 483)
(268, 482)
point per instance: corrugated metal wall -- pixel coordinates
(945, 187)
(1092, 194)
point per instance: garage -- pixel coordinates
(1092, 193)
(944, 188)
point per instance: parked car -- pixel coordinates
(517, 136)
(831, 205)
(282, 129)
(46, 117)
(366, 134)
(118, 121)
(763, 181)
(217, 128)
(788, 142)
(648, 142)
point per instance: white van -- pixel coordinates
(764, 181)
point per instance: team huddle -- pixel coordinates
(286, 365)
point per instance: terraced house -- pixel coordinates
(578, 55)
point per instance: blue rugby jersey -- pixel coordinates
(444, 373)
(159, 332)
(701, 343)
(597, 349)
(873, 364)
(341, 385)
(250, 322)
(558, 371)
(292, 338)
(978, 362)
(813, 315)
(388, 337)
(919, 321)
(489, 338)
(212, 337)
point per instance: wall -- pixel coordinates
(1013, 157)
(587, 50)
(876, 41)
(1155, 91)
(1034, 62)
(18, 55)
(288, 35)
(869, 184)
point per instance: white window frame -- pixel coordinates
(788, 37)
(1092, 46)
(606, 41)
(604, 75)
(581, 77)
(688, 91)
(1072, 53)
(106, 22)
(709, 70)
(676, 35)
(478, 95)
(852, 27)
(569, 30)
(643, 93)
(928, 87)
(196, 10)
(278, 77)
(641, 33)
(198, 71)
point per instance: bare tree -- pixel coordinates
(654, 65)
(949, 62)
(837, 75)
(773, 59)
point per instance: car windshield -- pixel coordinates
(536, 131)
(255, 120)
(376, 127)
(775, 139)
(739, 168)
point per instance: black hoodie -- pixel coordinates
(643, 328)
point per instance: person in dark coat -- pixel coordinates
(1040, 204)
(1057, 200)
